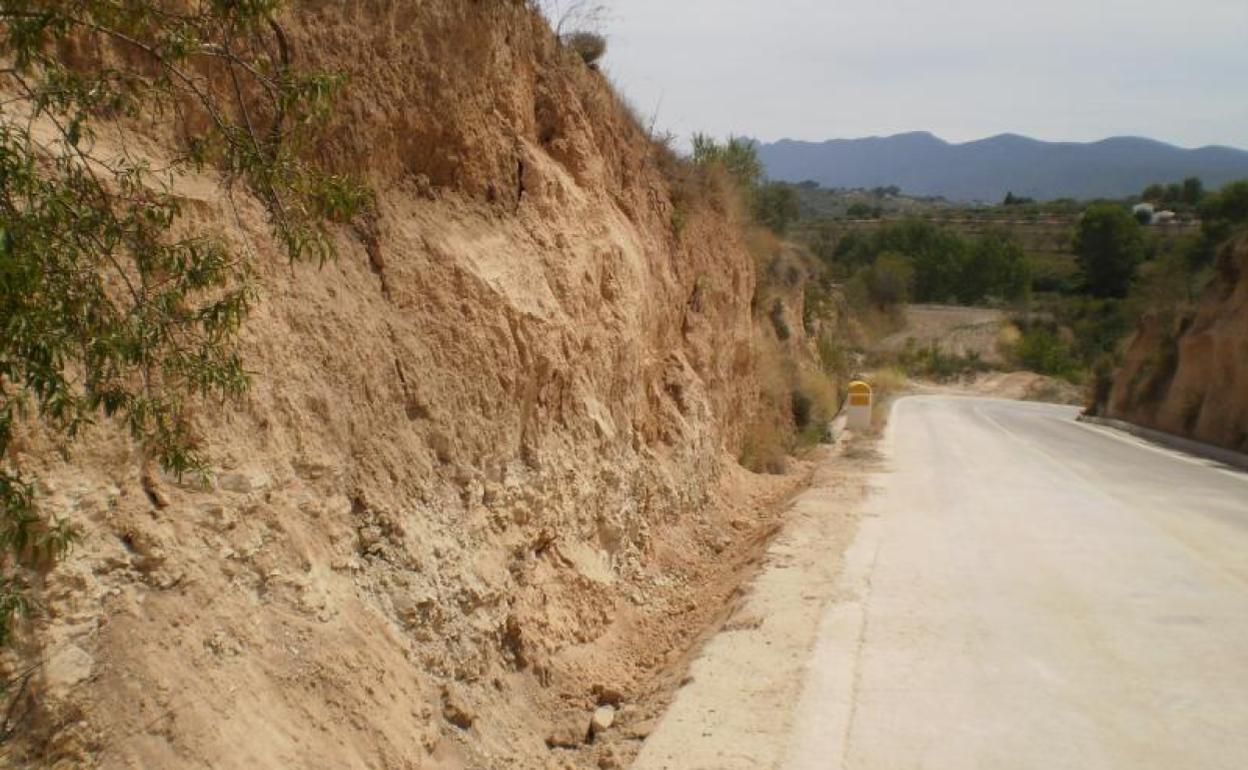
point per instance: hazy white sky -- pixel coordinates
(1175, 70)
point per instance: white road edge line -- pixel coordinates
(1174, 454)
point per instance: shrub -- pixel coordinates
(888, 282)
(776, 206)
(590, 46)
(1043, 352)
(832, 356)
(803, 409)
(818, 303)
(1101, 386)
(1230, 204)
(1221, 214)
(1096, 325)
(737, 156)
(945, 264)
(78, 222)
(888, 381)
(1055, 273)
(994, 265)
(1110, 247)
(933, 362)
(815, 402)
(763, 447)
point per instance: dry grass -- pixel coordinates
(1007, 341)
(764, 446)
(888, 381)
(872, 324)
(821, 392)
(797, 402)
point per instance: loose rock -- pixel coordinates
(604, 717)
(456, 711)
(568, 732)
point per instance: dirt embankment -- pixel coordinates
(484, 482)
(1187, 373)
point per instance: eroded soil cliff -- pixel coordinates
(1188, 374)
(484, 481)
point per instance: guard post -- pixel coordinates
(858, 406)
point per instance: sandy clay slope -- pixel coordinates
(483, 484)
(1187, 373)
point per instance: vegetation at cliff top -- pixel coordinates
(799, 396)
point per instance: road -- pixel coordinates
(1027, 591)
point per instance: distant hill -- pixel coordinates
(985, 170)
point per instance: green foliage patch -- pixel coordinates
(108, 304)
(947, 266)
(1110, 246)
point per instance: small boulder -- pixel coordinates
(568, 732)
(66, 668)
(604, 717)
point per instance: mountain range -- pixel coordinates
(985, 170)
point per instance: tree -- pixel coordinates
(994, 266)
(936, 254)
(1041, 351)
(1221, 215)
(1154, 193)
(889, 282)
(1193, 191)
(737, 156)
(110, 304)
(1229, 205)
(1109, 246)
(776, 206)
(860, 210)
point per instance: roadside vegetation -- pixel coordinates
(1074, 277)
(110, 304)
(803, 367)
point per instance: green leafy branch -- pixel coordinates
(109, 304)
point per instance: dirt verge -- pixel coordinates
(736, 708)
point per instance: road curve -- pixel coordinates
(1032, 592)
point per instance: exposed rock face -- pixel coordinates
(482, 447)
(1189, 375)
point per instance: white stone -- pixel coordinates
(604, 717)
(68, 667)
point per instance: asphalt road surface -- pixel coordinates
(1030, 592)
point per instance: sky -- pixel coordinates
(1081, 70)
